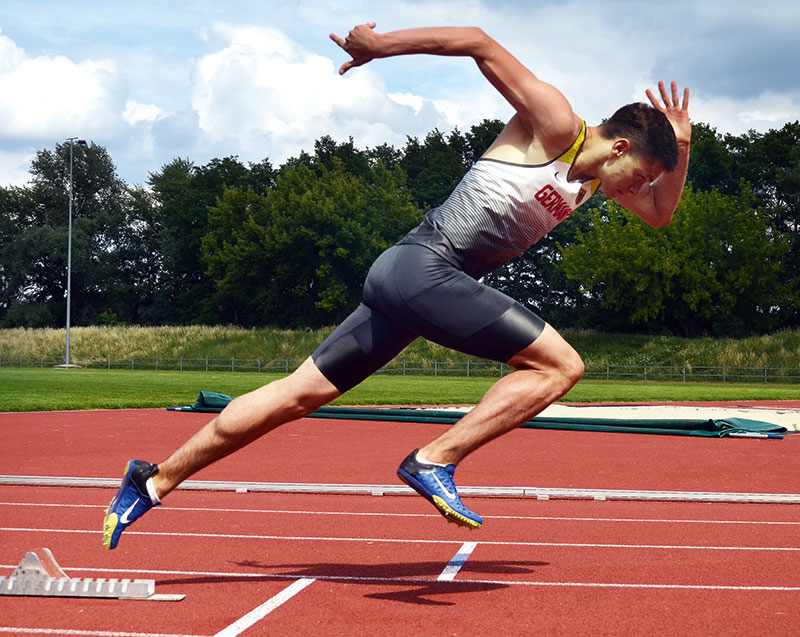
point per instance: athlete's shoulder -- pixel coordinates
(521, 144)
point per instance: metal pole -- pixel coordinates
(67, 358)
(81, 142)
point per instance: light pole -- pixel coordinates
(82, 142)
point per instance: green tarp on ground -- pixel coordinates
(207, 401)
(212, 402)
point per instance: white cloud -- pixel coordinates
(769, 110)
(261, 94)
(15, 168)
(136, 112)
(51, 97)
(254, 79)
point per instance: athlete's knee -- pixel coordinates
(295, 396)
(307, 389)
(552, 355)
(571, 367)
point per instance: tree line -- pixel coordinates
(289, 246)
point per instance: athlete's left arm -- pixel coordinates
(656, 202)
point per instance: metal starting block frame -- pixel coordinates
(39, 575)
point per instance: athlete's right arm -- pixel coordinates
(541, 106)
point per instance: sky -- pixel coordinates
(153, 81)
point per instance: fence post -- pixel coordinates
(684, 373)
(645, 372)
(404, 367)
(765, 375)
(608, 371)
(435, 368)
(233, 365)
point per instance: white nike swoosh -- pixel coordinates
(124, 518)
(450, 495)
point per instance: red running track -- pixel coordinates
(362, 565)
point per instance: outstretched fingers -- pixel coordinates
(671, 100)
(356, 44)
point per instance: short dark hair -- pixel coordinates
(649, 131)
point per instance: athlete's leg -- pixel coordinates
(365, 341)
(544, 372)
(246, 419)
(242, 421)
(445, 305)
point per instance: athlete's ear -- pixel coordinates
(620, 147)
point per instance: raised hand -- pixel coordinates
(677, 113)
(359, 44)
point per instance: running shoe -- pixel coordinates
(131, 502)
(435, 483)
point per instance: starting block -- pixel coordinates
(39, 575)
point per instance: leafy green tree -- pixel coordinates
(354, 161)
(37, 253)
(480, 137)
(434, 167)
(183, 194)
(715, 269)
(299, 255)
(711, 164)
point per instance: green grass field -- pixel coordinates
(780, 350)
(50, 389)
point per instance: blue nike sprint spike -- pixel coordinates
(131, 502)
(435, 483)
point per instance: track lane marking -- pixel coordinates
(456, 583)
(258, 613)
(454, 565)
(534, 518)
(85, 633)
(307, 538)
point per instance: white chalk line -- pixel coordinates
(417, 581)
(258, 613)
(17, 630)
(532, 518)
(454, 565)
(314, 538)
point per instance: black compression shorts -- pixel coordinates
(412, 291)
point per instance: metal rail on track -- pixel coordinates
(541, 493)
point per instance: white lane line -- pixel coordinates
(84, 633)
(533, 518)
(414, 581)
(311, 538)
(454, 566)
(258, 613)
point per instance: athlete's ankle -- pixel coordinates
(158, 487)
(432, 457)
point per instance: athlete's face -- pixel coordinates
(626, 173)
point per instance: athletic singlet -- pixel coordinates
(500, 209)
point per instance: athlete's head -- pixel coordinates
(647, 129)
(641, 146)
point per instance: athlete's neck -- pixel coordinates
(590, 157)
